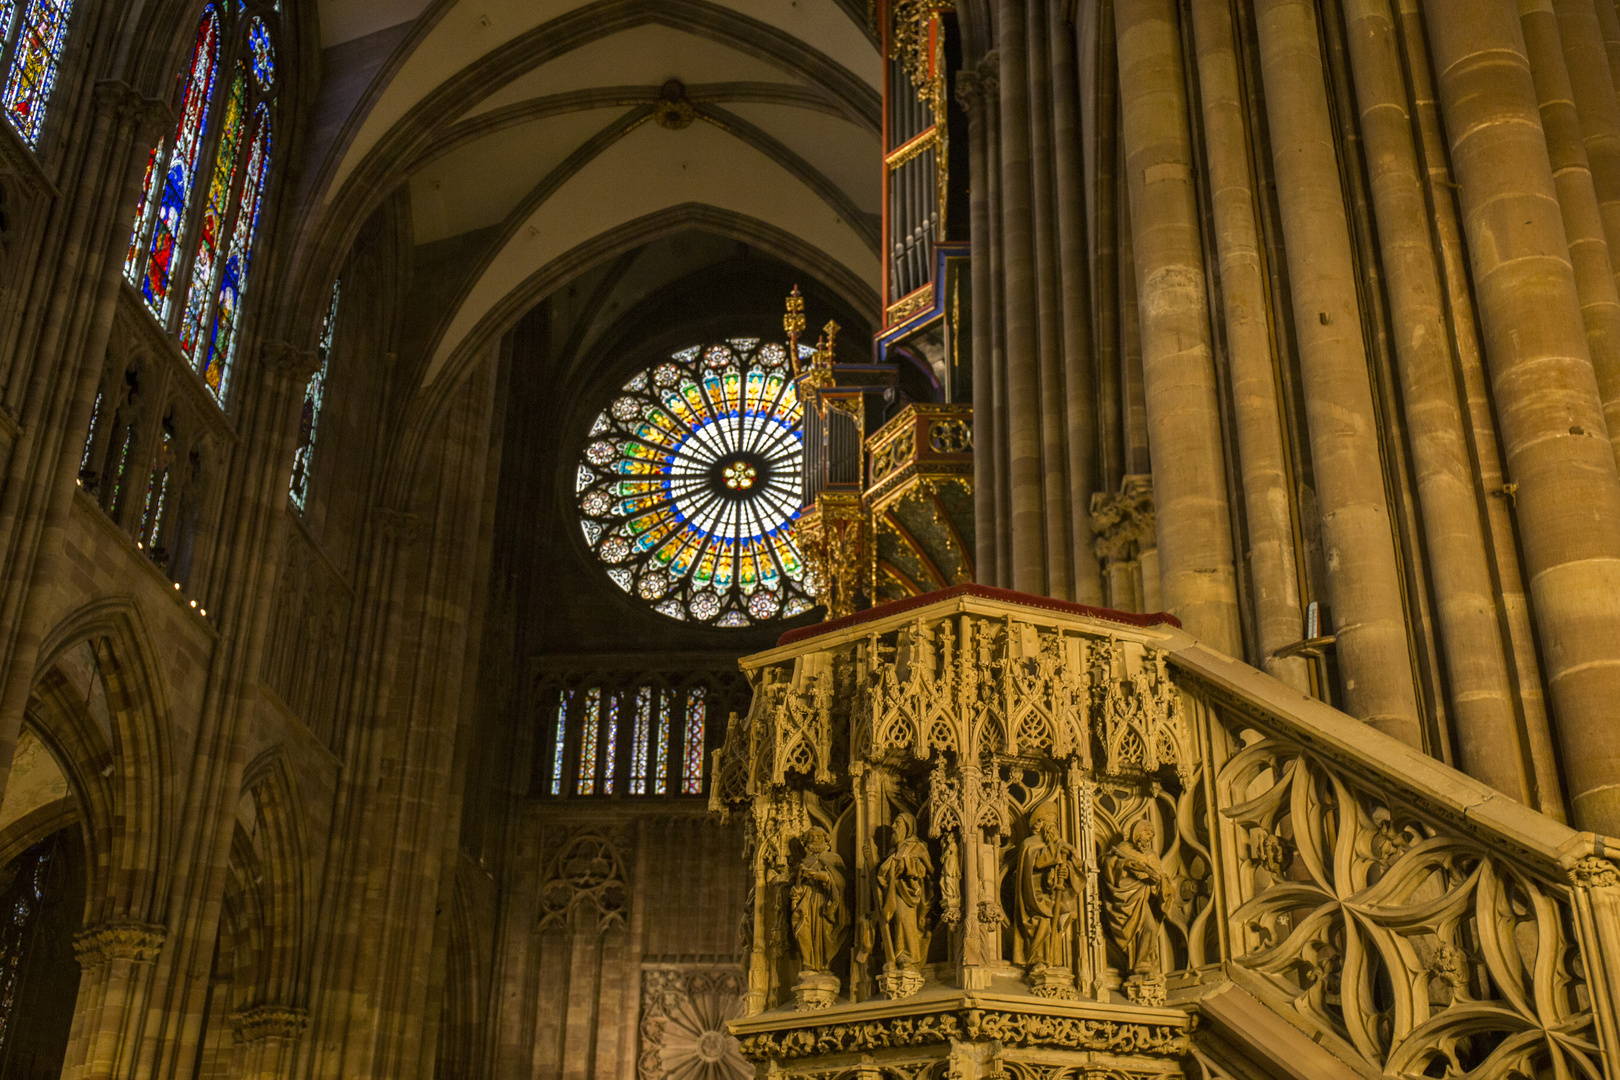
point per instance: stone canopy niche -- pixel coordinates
(992, 833)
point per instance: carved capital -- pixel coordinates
(268, 1022)
(990, 76)
(397, 525)
(294, 364)
(135, 941)
(1593, 872)
(1124, 523)
(970, 94)
(122, 103)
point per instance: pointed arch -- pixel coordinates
(278, 857)
(194, 232)
(112, 747)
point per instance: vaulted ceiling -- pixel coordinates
(535, 140)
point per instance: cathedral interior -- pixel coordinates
(902, 540)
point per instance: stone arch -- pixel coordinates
(271, 861)
(97, 704)
(431, 404)
(465, 971)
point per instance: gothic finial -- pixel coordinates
(793, 324)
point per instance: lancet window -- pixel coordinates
(33, 34)
(192, 243)
(626, 735)
(314, 398)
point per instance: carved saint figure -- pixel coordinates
(903, 889)
(820, 915)
(1135, 885)
(1049, 877)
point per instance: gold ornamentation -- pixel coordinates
(951, 436)
(673, 110)
(907, 306)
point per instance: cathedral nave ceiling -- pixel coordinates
(528, 141)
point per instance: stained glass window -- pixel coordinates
(215, 366)
(660, 771)
(217, 229)
(610, 747)
(90, 436)
(692, 758)
(177, 177)
(690, 485)
(587, 744)
(639, 740)
(559, 738)
(35, 60)
(260, 54)
(314, 397)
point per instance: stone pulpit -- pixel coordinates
(994, 834)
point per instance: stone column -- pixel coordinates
(1257, 416)
(1001, 453)
(1581, 34)
(1019, 307)
(1079, 357)
(1194, 526)
(1489, 741)
(1054, 413)
(970, 92)
(118, 959)
(1363, 576)
(1566, 489)
(1573, 178)
(266, 1039)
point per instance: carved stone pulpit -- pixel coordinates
(962, 832)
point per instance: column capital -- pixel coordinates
(268, 1022)
(121, 940)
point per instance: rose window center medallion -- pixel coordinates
(691, 480)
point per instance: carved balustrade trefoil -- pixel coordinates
(995, 834)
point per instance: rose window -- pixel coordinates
(691, 481)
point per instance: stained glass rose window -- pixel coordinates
(690, 482)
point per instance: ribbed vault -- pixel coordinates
(533, 141)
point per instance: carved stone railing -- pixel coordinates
(981, 803)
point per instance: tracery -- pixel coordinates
(691, 482)
(193, 238)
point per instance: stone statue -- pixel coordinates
(903, 891)
(1135, 883)
(1049, 880)
(820, 914)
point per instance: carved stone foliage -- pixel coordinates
(1011, 1029)
(584, 887)
(1002, 769)
(1428, 952)
(132, 941)
(683, 1024)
